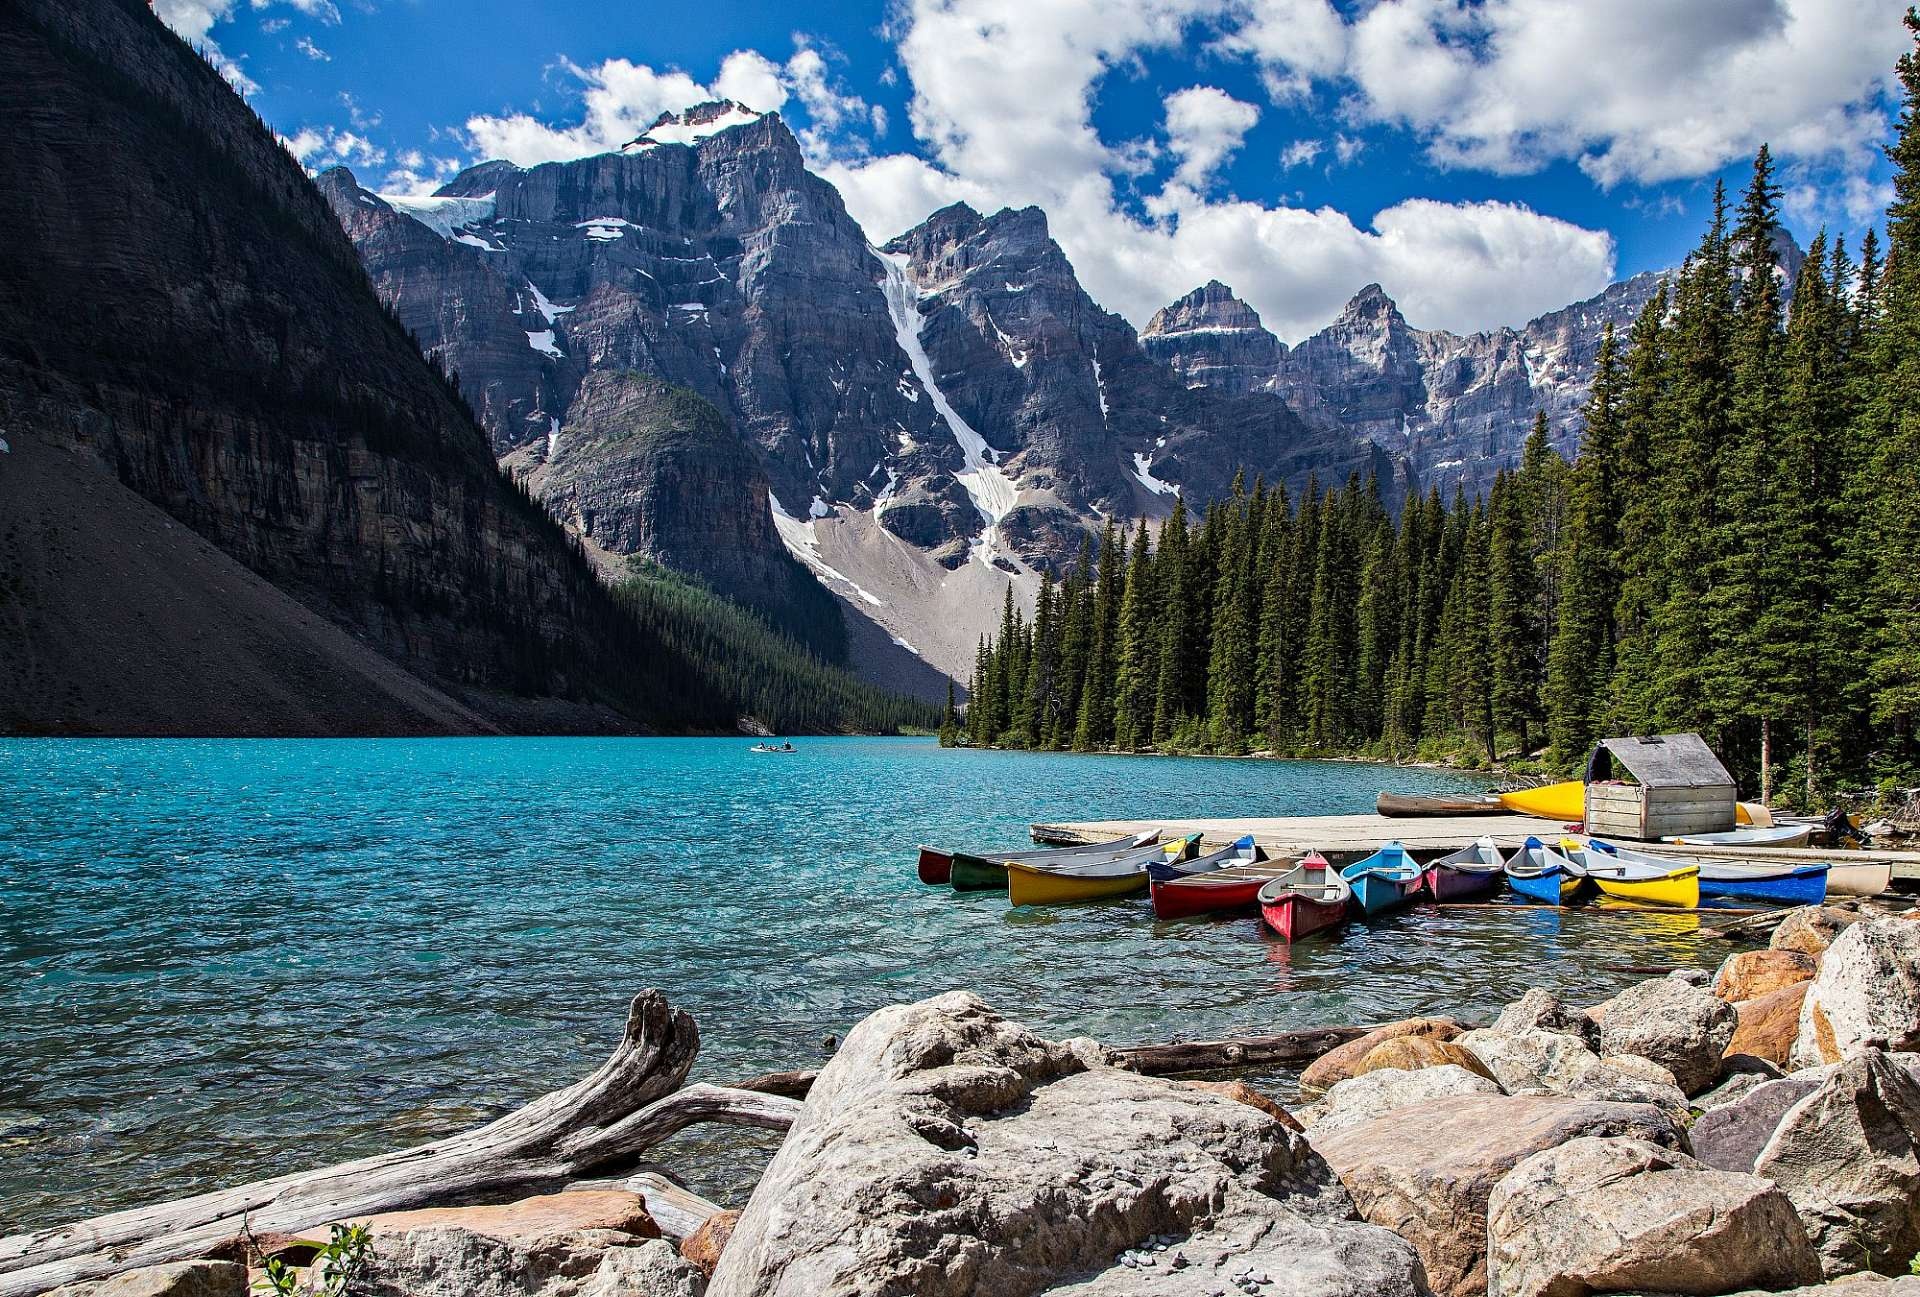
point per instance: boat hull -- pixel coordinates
(936, 866)
(1680, 891)
(1420, 805)
(1376, 893)
(1189, 897)
(1294, 917)
(1455, 884)
(1794, 887)
(967, 873)
(1027, 885)
(1555, 888)
(1566, 803)
(1859, 880)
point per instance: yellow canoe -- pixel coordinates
(1680, 889)
(1566, 803)
(1027, 885)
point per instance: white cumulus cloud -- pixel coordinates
(1205, 126)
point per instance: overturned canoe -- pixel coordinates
(1418, 805)
(1473, 870)
(1565, 803)
(1030, 883)
(970, 872)
(1538, 872)
(1311, 897)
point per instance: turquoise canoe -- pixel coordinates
(1385, 880)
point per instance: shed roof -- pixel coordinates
(1664, 761)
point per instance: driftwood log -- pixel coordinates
(631, 1103)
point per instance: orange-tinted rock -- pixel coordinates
(704, 1246)
(1241, 1092)
(1812, 929)
(1411, 1053)
(1754, 973)
(1768, 1024)
(1339, 1064)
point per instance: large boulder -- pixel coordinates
(1426, 1171)
(1339, 1063)
(1623, 1215)
(1811, 929)
(1627, 1078)
(586, 1243)
(1766, 1028)
(1540, 1009)
(1730, 1136)
(1754, 973)
(177, 1279)
(1847, 1156)
(1868, 988)
(1682, 1027)
(1529, 1059)
(944, 1151)
(1863, 1285)
(1359, 1099)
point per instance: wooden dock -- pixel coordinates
(1346, 838)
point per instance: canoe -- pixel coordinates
(1780, 835)
(936, 866)
(1471, 871)
(1414, 805)
(1225, 880)
(1311, 897)
(1865, 879)
(1776, 885)
(1566, 803)
(1384, 880)
(970, 872)
(1030, 883)
(1538, 872)
(1635, 876)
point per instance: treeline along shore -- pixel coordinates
(1735, 551)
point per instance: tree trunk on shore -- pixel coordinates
(631, 1103)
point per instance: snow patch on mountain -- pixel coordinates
(444, 216)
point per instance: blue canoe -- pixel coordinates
(1538, 872)
(1387, 878)
(1774, 884)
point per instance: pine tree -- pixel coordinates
(1230, 664)
(1174, 669)
(1093, 726)
(1137, 672)
(1513, 626)
(1645, 409)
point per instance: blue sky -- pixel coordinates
(1484, 160)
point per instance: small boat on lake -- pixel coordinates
(969, 871)
(1384, 880)
(1311, 897)
(1224, 880)
(1473, 870)
(1778, 835)
(1632, 875)
(1538, 872)
(1417, 805)
(1564, 802)
(1034, 883)
(773, 747)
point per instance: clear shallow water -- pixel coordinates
(219, 958)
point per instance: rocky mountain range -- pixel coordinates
(234, 498)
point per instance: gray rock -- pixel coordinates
(177, 1279)
(945, 1151)
(1622, 1215)
(1868, 987)
(1626, 1078)
(1426, 1172)
(1859, 1285)
(1730, 1136)
(1531, 1058)
(1541, 1009)
(447, 1261)
(1846, 1154)
(1211, 338)
(1360, 1099)
(1678, 1025)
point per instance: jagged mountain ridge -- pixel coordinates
(952, 401)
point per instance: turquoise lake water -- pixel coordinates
(220, 958)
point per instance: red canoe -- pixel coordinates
(936, 866)
(1309, 898)
(1225, 880)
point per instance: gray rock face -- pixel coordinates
(1849, 1156)
(1426, 1172)
(944, 1150)
(1541, 1009)
(1682, 1027)
(1623, 1078)
(1360, 1099)
(1730, 1136)
(1531, 1058)
(1211, 338)
(1622, 1215)
(179, 1279)
(1868, 988)
(446, 1261)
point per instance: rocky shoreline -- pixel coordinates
(1753, 1130)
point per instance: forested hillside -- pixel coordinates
(1736, 550)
